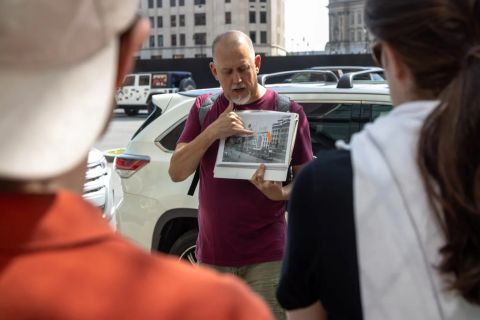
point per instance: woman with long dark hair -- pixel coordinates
(390, 229)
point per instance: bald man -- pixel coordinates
(241, 222)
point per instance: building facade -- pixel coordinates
(347, 33)
(187, 28)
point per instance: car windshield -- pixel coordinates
(177, 77)
(129, 81)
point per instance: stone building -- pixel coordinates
(347, 33)
(186, 28)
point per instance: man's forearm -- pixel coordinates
(186, 157)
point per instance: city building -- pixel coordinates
(347, 33)
(186, 28)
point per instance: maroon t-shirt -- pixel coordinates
(238, 224)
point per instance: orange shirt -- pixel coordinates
(60, 260)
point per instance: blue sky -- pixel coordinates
(306, 25)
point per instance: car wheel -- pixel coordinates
(130, 111)
(184, 247)
(186, 84)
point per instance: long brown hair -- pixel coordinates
(439, 40)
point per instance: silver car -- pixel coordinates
(98, 186)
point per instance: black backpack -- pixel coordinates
(283, 104)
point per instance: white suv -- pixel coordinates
(159, 214)
(138, 88)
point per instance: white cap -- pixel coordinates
(58, 62)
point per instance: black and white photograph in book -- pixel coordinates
(271, 144)
(268, 144)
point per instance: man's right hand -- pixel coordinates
(187, 156)
(228, 124)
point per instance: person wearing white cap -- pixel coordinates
(59, 64)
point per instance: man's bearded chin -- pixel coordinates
(241, 101)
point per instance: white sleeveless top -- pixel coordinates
(397, 235)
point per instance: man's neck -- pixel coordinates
(260, 92)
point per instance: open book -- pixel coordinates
(271, 144)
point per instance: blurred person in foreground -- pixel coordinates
(60, 62)
(391, 228)
(241, 222)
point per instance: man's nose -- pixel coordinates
(236, 77)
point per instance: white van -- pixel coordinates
(138, 88)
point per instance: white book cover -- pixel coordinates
(271, 144)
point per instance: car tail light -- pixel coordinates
(127, 164)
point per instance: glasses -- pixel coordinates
(377, 53)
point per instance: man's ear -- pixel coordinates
(130, 42)
(258, 63)
(213, 69)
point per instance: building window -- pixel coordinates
(156, 56)
(253, 36)
(228, 17)
(263, 36)
(160, 40)
(159, 22)
(199, 2)
(181, 3)
(181, 21)
(151, 21)
(173, 21)
(252, 0)
(152, 42)
(172, 3)
(263, 0)
(159, 3)
(150, 3)
(359, 18)
(227, 1)
(174, 40)
(252, 16)
(182, 39)
(178, 56)
(263, 17)
(200, 38)
(200, 19)
(199, 55)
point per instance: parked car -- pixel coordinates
(98, 186)
(323, 74)
(373, 74)
(138, 88)
(160, 215)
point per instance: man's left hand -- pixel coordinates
(271, 189)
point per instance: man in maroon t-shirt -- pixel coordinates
(241, 222)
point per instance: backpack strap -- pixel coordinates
(206, 106)
(202, 113)
(283, 103)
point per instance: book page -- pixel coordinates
(271, 144)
